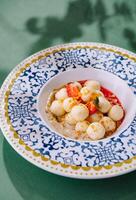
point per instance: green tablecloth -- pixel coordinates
(29, 26)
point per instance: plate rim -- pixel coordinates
(32, 57)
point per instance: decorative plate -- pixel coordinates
(25, 130)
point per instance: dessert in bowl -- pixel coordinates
(86, 104)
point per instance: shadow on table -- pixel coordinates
(35, 184)
(79, 13)
(3, 74)
(66, 28)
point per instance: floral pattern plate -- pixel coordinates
(24, 129)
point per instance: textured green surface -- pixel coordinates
(31, 25)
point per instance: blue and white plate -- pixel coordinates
(30, 135)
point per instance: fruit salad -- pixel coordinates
(84, 110)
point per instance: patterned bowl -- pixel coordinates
(25, 126)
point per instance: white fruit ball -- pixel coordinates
(99, 93)
(69, 119)
(61, 94)
(68, 103)
(57, 108)
(81, 126)
(104, 104)
(96, 93)
(85, 94)
(77, 84)
(92, 85)
(96, 131)
(96, 117)
(108, 124)
(80, 112)
(116, 113)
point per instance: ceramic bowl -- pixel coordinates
(107, 79)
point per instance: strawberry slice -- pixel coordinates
(72, 91)
(110, 96)
(91, 107)
(82, 82)
(106, 92)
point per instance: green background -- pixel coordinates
(27, 26)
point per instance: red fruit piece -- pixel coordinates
(91, 107)
(110, 96)
(82, 82)
(106, 92)
(72, 91)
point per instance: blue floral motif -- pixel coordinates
(104, 153)
(46, 62)
(107, 154)
(131, 129)
(132, 145)
(68, 157)
(72, 57)
(132, 126)
(29, 135)
(23, 111)
(37, 80)
(19, 87)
